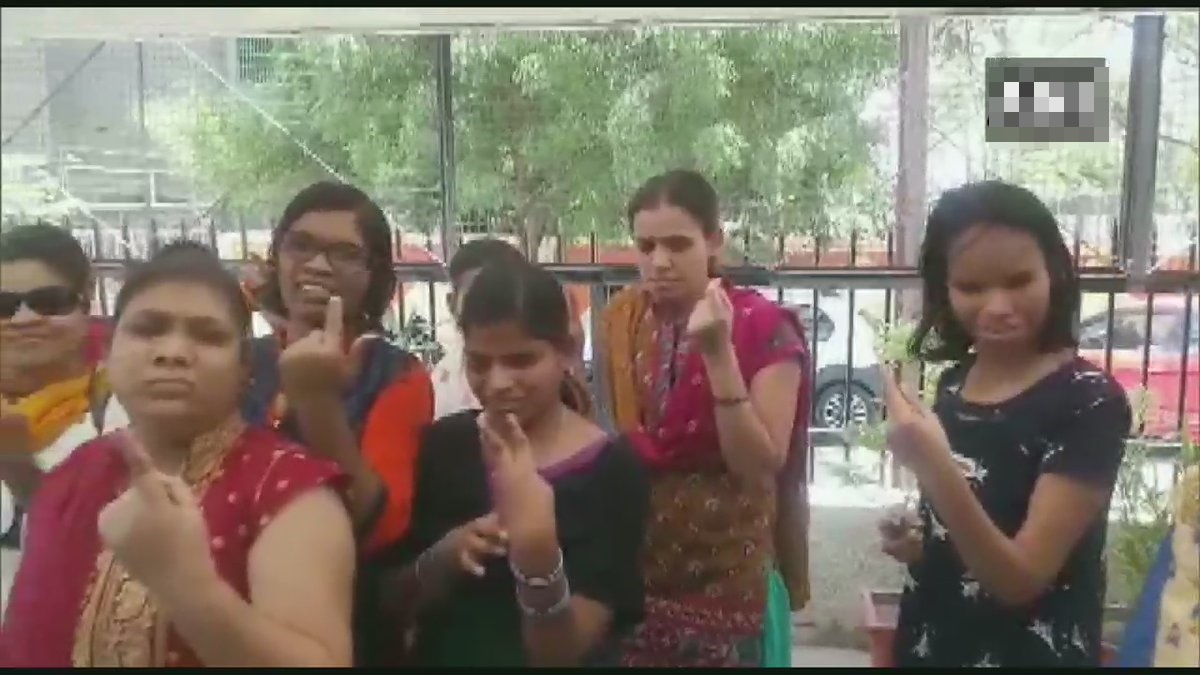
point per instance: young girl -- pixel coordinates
(326, 378)
(1018, 457)
(189, 539)
(528, 519)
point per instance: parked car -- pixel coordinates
(838, 352)
(1164, 363)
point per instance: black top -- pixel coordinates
(601, 500)
(1074, 423)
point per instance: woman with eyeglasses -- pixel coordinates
(52, 395)
(329, 379)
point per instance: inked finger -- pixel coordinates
(333, 319)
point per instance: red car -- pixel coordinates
(1166, 372)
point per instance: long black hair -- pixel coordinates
(189, 262)
(990, 203)
(372, 224)
(532, 297)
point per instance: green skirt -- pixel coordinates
(777, 624)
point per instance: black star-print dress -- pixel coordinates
(1073, 422)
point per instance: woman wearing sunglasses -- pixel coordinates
(52, 397)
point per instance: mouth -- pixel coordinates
(26, 338)
(504, 407)
(169, 387)
(316, 294)
(998, 331)
(664, 282)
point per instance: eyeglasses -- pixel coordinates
(344, 258)
(46, 301)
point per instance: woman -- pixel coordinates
(1017, 459)
(1164, 631)
(452, 393)
(52, 395)
(529, 519)
(713, 377)
(234, 533)
(329, 379)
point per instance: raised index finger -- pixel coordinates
(893, 398)
(333, 319)
(143, 477)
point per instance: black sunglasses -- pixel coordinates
(47, 301)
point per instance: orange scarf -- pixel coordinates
(55, 408)
(619, 328)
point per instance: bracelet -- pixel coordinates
(731, 401)
(538, 582)
(560, 605)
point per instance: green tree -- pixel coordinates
(554, 130)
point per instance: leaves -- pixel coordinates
(555, 130)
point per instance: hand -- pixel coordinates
(255, 273)
(914, 433)
(156, 530)
(711, 321)
(469, 546)
(16, 437)
(524, 500)
(315, 365)
(900, 535)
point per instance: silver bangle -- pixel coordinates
(559, 606)
(538, 582)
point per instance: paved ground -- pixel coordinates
(8, 568)
(829, 657)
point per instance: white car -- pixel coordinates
(842, 343)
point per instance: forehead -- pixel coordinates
(25, 275)
(329, 226)
(665, 220)
(504, 337)
(988, 251)
(183, 301)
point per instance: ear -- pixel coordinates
(715, 242)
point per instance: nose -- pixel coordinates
(499, 380)
(318, 264)
(997, 303)
(25, 315)
(660, 258)
(172, 351)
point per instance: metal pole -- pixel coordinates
(144, 136)
(444, 74)
(1136, 222)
